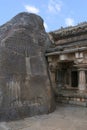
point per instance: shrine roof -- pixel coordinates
(69, 31)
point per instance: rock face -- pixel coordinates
(25, 88)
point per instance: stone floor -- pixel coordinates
(65, 117)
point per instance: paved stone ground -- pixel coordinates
(65, 117)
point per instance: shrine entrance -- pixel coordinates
(74, 79)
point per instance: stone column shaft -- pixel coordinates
(82, 80)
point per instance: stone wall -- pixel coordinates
(25, 88)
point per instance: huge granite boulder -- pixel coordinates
(25, 88)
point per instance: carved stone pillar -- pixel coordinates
(82, 80)
(81, 64)
(52, 70)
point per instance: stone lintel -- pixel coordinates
(66, 51)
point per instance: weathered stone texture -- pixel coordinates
(24, 83)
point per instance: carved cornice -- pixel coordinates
(69, 31)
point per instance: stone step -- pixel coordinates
(72, 100)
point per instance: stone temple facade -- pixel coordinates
(38, 69)
(67, 62)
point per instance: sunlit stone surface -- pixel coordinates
(24, 83)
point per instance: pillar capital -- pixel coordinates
(82, 69)
(52, 67)
(81, 66)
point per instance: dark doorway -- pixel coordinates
(60, 73)
(74, 79)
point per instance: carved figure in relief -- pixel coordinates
(14, 91)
